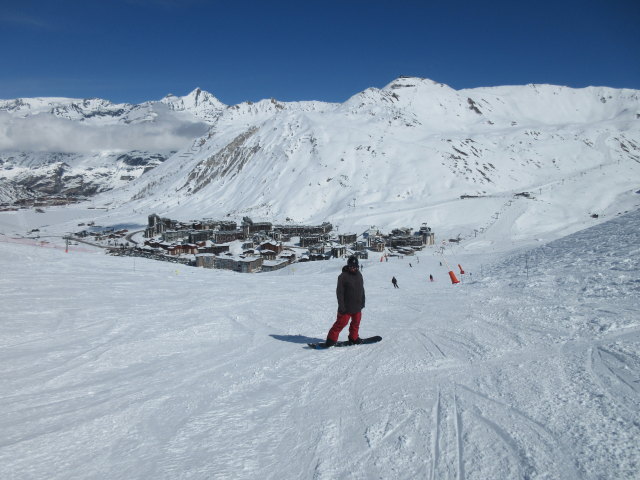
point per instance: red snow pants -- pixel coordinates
(341, 322)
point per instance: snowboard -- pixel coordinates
(345, 343)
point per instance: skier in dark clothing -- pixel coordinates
(395, 282)
(350, 294)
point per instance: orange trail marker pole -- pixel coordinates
(452, 275)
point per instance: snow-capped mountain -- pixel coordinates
(86, 146)
(414, 146)
(82, 147)
(198, 103)
(405, 154)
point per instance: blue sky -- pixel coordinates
(138, 50)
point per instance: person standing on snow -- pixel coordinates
(395, 282)
(350, 294)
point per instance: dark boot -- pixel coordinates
(357, 341)
(329, 343)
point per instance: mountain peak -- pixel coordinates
(199, 96)
(414, 82)
(196, 100)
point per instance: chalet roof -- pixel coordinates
(273, 263)
(248, 259)
(228, 257)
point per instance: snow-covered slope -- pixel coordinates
(10, 192)
(117, 368)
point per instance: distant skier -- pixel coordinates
(431, 278)
(350, 295)
(395, 282)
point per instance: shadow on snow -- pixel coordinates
(297, 339)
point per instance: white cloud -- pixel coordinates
(44, 133)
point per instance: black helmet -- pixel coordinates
(353, 261)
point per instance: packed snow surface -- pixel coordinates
(123, 368)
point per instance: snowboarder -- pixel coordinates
(350, 294)
(395, 282)
(431, 278)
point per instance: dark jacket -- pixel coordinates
(350, 291)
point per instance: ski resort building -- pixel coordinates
(262, 243)
(157, 225)
(237, 264)
(304, 230)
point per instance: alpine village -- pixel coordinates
(251, 246)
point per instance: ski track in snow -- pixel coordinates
(115, 369)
